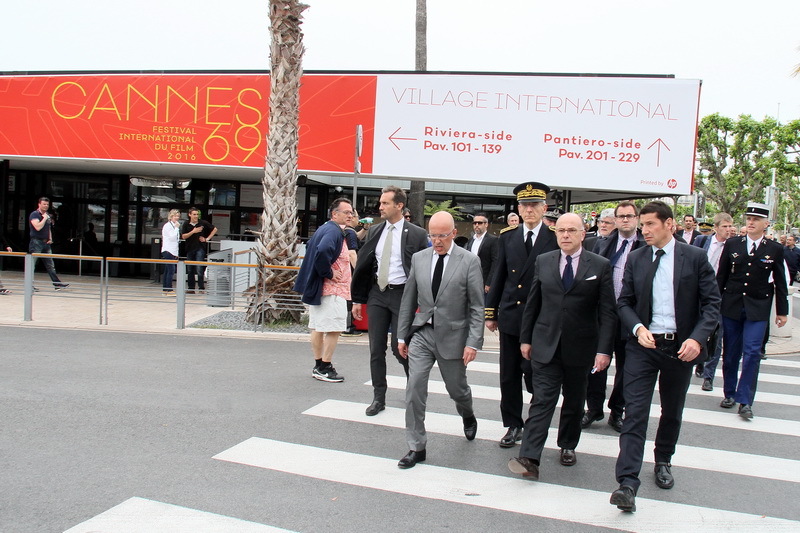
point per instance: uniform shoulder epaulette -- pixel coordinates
(509, 228)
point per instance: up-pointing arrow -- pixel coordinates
(660, 143)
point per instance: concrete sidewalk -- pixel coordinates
(78, 307)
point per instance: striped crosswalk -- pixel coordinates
(475, 485)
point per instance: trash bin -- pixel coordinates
(219, 280)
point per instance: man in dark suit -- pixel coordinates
(751, 272)
(383, 265)
(443, 307)
(615, 247)
(670, 305)
(713, 245)
(792, 256)
(689, 233)
(484, 246)
(571, 319)
(518, 249)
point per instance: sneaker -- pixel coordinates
(61, 287)
(35, 289)
(167, 293)
(327, 374)
(353, 333)
(5, 291)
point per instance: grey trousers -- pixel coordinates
(422, 354)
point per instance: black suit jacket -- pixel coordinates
(488, 256)
(693, 236)
(412, 240)
(695, 290)
(607, 246)
(509, 289)
(744, 281)
(582, 320)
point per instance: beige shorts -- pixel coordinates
(329, 315)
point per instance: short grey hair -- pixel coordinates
(606, 213)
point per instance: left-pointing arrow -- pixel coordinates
(392, 138)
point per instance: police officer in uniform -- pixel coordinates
(518, 249)
(751, 272)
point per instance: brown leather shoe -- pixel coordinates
(568, 457)
(527, 468)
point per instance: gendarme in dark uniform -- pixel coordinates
(507, 296)
(751, 272)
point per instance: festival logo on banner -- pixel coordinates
(181, 118)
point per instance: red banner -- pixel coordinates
(182, 118)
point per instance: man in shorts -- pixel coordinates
(324, 282)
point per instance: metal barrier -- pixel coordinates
(243, 288)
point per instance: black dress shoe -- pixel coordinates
(568, 457)
(727, 403)
(470, 427)
(698, 371)
(708, 384)
(411, 458)
(511, 438)
(745, 411)
(525, 467)
(375, 407)
(624, 498)
(589, 417)
(664, 479)
(615, 421)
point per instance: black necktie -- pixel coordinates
(569, 275)
(529, 243)
(437, 275)
(647, 288)
(618, 253)
(753, 249)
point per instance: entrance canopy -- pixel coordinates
(598, 136)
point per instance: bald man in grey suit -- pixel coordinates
(442, 308)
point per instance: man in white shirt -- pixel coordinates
(484, 245)
(713, 245)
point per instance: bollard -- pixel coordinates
(180, 288)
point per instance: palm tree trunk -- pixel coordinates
(277, 243)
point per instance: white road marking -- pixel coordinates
(136, 515)
(743, 464)
(491, 491)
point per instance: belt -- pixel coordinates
(393, 287)
(664, 336)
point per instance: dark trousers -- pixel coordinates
(596, 387)
(383, 309)
(196, 272)
(38, 246)
(710, 366)
(548, 381)
(643, 368)
(169, 271)
(742, 340)
(513, 369)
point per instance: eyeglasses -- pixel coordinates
(347, 213)
(432, 236)
(478, 222)
(609, 222)
(570, 231)
(624, 217)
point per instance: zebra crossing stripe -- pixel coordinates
(743, 464)
(726, 418)
(569, 504)
(494, 368)
(138, 514)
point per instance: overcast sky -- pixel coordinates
(744, 51)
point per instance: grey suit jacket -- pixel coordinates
(457, 310)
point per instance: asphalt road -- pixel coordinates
(91, 420)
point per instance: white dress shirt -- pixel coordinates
(397, 275)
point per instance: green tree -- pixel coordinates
(432, 207)
(736, 160)
(787, 174)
